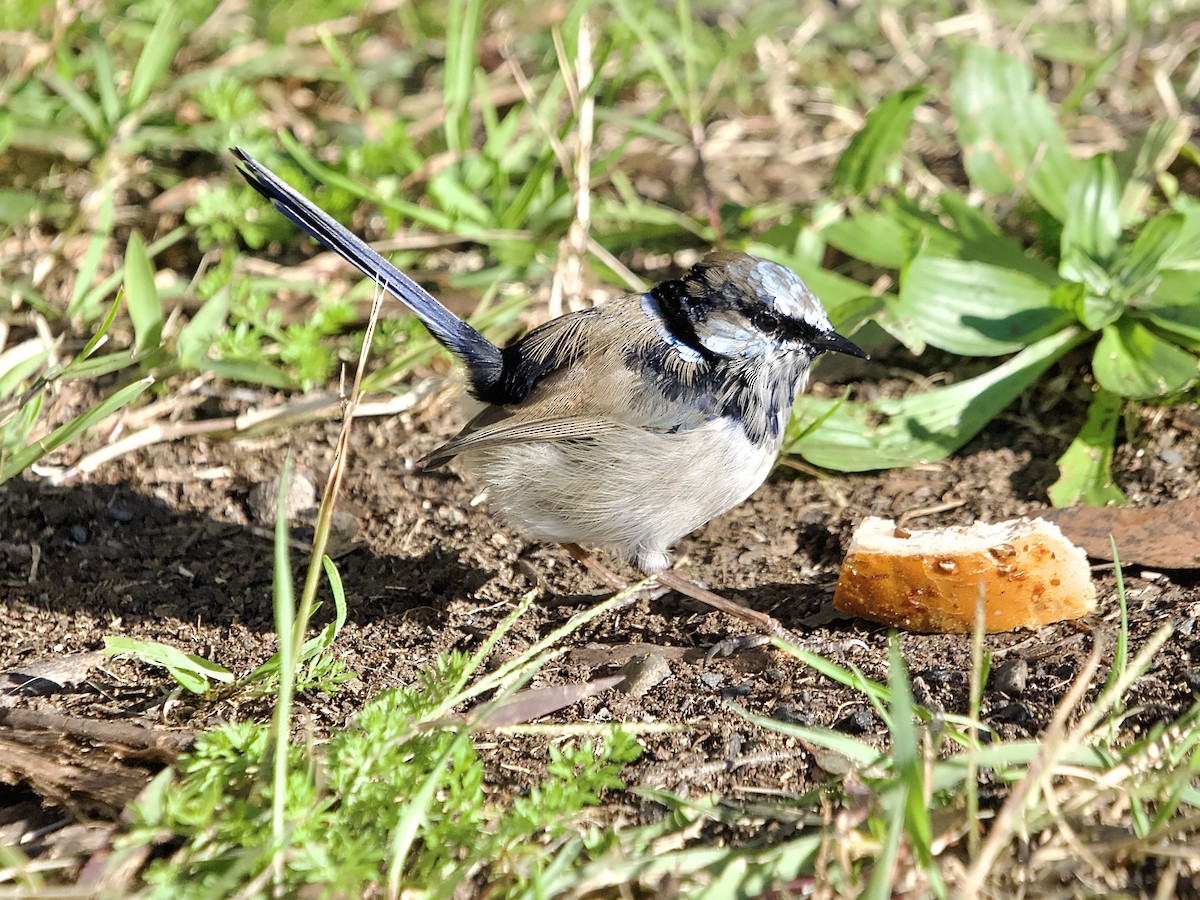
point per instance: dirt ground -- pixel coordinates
(167, 545)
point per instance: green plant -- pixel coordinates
(910, 814)
(358, 811)
(347, 800)
(1103, 259)
(192, 672)
(30, 369)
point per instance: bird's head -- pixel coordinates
(743, 307)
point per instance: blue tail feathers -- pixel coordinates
(482, 358)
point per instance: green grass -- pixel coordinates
(453, 134)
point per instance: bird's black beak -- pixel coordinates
(831, 341)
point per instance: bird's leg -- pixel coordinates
(760, 620)
(668, 579)
(610, 579)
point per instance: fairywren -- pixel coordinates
(629, 425)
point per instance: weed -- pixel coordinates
(1108, 269)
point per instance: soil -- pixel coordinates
(170, 545)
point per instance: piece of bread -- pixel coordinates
(930, 580)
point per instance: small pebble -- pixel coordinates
(859, 721)
(263, 498)
(791, 713)
(1011, 676)
(1017, 713)
(79, 534)
(711, 679)
(1171, 456)
(643, 673)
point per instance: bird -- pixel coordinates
(628, 425)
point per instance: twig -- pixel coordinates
(303, 409)
(568, 275)
(125, 733)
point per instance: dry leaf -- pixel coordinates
(1166, 536)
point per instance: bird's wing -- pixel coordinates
(507, 432)
(592, 397)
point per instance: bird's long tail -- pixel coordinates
(482, 357)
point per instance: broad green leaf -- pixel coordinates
(26, 457)
(1141, 165)
(1184, 254)
(900, 229)
(164, 39)
(1140, 262)
(191, 671)
(926, 426)
(871, 158)
(1133, 361)
(1009, 137)
(196, 337)
(1093, 223)
(1096, 311)
(1079, 268)
(977, 309)
(1093, 308)
(1174, 308)
(874, 236)
(1085, 469)
(141, 295)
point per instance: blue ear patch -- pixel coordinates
(653, 309)
(729, 334)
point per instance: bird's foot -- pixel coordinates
(732, 645)
(670, 581)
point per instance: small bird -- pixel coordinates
(629, 425)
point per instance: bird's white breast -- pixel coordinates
(633, 491)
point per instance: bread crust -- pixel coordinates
(1029, 574)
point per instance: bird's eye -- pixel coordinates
(765, 321)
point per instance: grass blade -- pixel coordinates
(165, 38)
(78, 426)
(95, 254)
(870, 160)
(145, 308)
